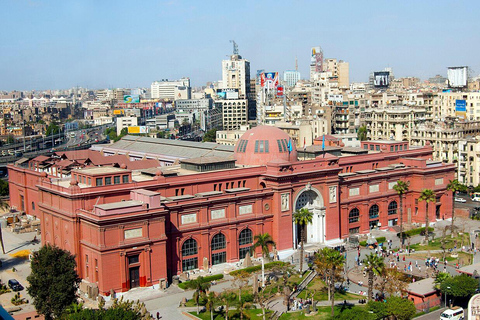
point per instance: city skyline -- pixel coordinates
(58, 45)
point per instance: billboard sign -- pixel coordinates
(461, 108)
(381, 79)
(279, 91)
(118, 112)
(227, 93)
(131, 98)
(138, 129)
(457, 77)
(269, 80)
(317, 59)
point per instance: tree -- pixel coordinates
(240, 280)
(210, 136)
(125, 310)
(379, 308)
(401, 309)
(392, 281)
(242, 307)
(460, 287)
(200, 286)
(53, 286)
(52, 129)
(264, 241)
(227, 297)
(401, 187)
(374, 265)
(440, 278)
(263, 297)
(329, 263)
(454, 186)
(427, 195)
(4, 191)
(211, 301)
(302, 217)
(362, 133)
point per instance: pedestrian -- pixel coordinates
(158, 315)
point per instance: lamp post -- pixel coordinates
(446, 297)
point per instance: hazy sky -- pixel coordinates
(98, 44)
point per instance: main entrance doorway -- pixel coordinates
(311, 199)
(134, 277)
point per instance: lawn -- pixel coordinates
(254, 314)
(322, 313)
(462, 239)
(322, 292)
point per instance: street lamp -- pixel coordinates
(446, 297)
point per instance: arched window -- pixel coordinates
(218, 246)
(373, 212)
(245, 241)
(392, 207)
(354, 215)
(189, 252)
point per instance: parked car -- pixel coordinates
(460, 200)
(15, 285)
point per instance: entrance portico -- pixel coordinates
(311, 199)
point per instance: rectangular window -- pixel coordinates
(391, 184)
(438, 181)
(401, 147)
(256, 146)
(261, 146)
(245, 209)
(354, 230)
(99, 181)
(125, 179)
(217, 214)
(133, 259)
(391, 148)
(373, 188)
(242, 252)
(266, 146)
(218, 258)
(116, 180)
(89, 181)
(108, 181)
(189, 218)
(392, 222)
(377, 147)
(396, 148)
(189, 264)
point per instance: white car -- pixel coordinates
(460, 200)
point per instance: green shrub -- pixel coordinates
(381, 239)
(414, 232)
(183, 285)
(259, 267)
(363, 243)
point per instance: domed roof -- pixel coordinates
(263, 144)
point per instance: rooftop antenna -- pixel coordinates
(235, 47)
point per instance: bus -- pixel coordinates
(476, 196)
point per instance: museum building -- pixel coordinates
(131, 226)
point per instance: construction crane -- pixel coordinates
(235, 47)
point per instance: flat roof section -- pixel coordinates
(119, 205)
(100, 170)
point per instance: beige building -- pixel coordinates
(343, 75)
(234, 113)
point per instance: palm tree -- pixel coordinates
(200, 286)
(211, 300)
(3, 206)
(427, 195)
(263, 241)
(454, 186)
(242, 307)
(401, 187)
(330, 262)
(302, 217)
(227, 297)
(374, 265)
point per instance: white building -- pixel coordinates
(166, 89)
(125, 122)
(236, 75)
(291, 77)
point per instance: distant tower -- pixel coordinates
(296, 63)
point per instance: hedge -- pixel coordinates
(183, 285)
(259, 267)
(414, 232)
(379, 240)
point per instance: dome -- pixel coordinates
(263, 144)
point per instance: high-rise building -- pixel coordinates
(166, 89)
(316, 61)
(343, 69)
(291, 77)
(236, 75)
